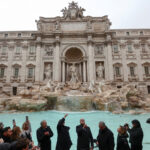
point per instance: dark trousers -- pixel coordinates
(136, 147)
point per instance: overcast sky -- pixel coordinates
(21, 14)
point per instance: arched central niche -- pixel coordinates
(74, 55)
(74, 65)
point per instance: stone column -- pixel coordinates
(109, 62)
(57, 63)
(38, 61)
(84, 71)
(139, 65)
(8, 73)
(24, 60)
(90, 59)
(63, 70)
(124, 72)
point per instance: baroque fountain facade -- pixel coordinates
(75, 63)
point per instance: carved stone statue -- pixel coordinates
(80, 12)
(74, 75)
(48, 72)
(39, 25)
(101, 83)
(57, 25)
(91, 87)
(100, 71)
(89, 25)
(65, 12)
(49, 51)
(73, 11)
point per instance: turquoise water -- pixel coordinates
(92, 119)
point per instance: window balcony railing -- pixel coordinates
(2, 78)
(30, 79)
(118, 77)
(146, 77)
(133, 77)
(15, 79)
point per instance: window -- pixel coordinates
(14, 90)
(4, 50)
(141, 33)
(30, 72)
(5, 35)
(127, 33)
(2, 72)
(129, 48)
(117, 71)
(148, 89)
(18, 49)
(32, 49)
(16, 72)
(146, 68)
(19, 34)
(143, 47)
(132, 71)
(115, 48)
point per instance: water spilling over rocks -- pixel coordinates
(78, 97)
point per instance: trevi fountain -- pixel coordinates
(78, 69)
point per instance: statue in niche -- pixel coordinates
(89, 24)
(100, 71)
(74, 74)
(48, 72)
(57, 25)
(49, 51)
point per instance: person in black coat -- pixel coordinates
(122, 142)
(1, 129)
(44, 133)
(105, 138)
(63, 138)
(136, 135)
(85, 138)
(7, 135)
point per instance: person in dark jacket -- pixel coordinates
(85, 138)
(136, 135)
(7, 135)
(122, 142)
(44, 133)
(63, 138)
(105, 138)
(1, 129)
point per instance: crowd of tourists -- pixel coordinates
(21, 139)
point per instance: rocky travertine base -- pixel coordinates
(127, 99)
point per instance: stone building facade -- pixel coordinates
(78, 44)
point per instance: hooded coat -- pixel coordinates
(105, 139)
(85, 138)
(44, 140)
(63, 138)
(136, 136)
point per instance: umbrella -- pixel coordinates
(148, 121)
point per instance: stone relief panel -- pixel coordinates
(100, 70)
(99, 50)
(49, 51)
(48, 71)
